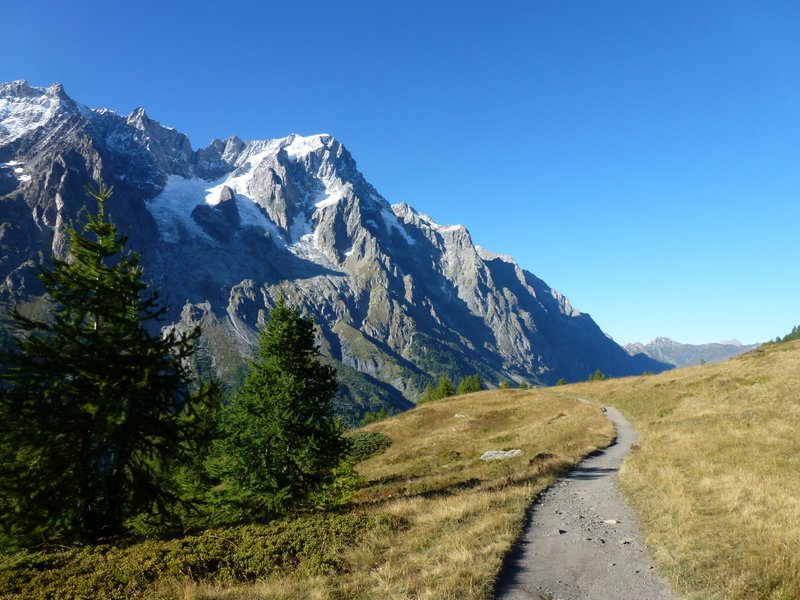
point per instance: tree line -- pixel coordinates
(106, 432)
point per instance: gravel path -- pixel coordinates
(581, 541)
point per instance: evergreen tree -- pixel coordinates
(95, 409)
(598, 375)
(444, 388)
(469, 384)
(428, 395)
(281, 442)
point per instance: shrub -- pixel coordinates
(364, 444)
(310, 545)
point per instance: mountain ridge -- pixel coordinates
(226, 229)
(667, 350)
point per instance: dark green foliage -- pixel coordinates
(471, 383)
(374, 417)
(561, 381)
(360, 395)
(310, 545)
(364, 444)
(442, 390)
(435, 355)
(523, 385)
(794, 334)
(280, 440)
(445, 387)
(96, 410)
(505, 384)
(598, 375)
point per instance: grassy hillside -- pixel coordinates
(716, 476)
(433, 520)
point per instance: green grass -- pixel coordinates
(432, 521)
(306, 546)
(716, 476)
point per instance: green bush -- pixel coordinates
(364, 444)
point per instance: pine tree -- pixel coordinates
(444, 388)
(471, 383)
(428, 395)
(95, 409)
(598, 375)
(281, 442)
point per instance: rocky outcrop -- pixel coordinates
(226, 230)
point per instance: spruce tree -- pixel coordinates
(444, 388)
(471, 383)
(95, 409)
(281, 442)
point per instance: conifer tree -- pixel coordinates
(95, 409)
(281, 442)
(471, 383)
(444, 388)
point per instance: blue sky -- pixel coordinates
(640, 157)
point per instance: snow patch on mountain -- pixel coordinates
(172, 208)
(16, 169)
(393, 224)
(489, 255)
(20, 115)
(24, 108)
(298, 146)
(409, 214)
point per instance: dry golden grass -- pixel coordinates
(460, 515)
(716, 475)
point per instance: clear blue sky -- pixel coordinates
(643, 158)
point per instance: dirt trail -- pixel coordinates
(581, 541)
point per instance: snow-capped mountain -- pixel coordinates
(227, 229)
(669, 351)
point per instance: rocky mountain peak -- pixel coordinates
(226, 230)
(683, 355)
(24, 109)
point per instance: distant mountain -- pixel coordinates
(686, 355)
(227, 229)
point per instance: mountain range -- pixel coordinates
(226, 230)
(686, 355)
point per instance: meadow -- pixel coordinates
(716, 474)
(432, 520)
(714, 478)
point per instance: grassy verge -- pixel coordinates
(716, 475)
(434, 520)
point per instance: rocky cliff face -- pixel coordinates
(227, 229)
